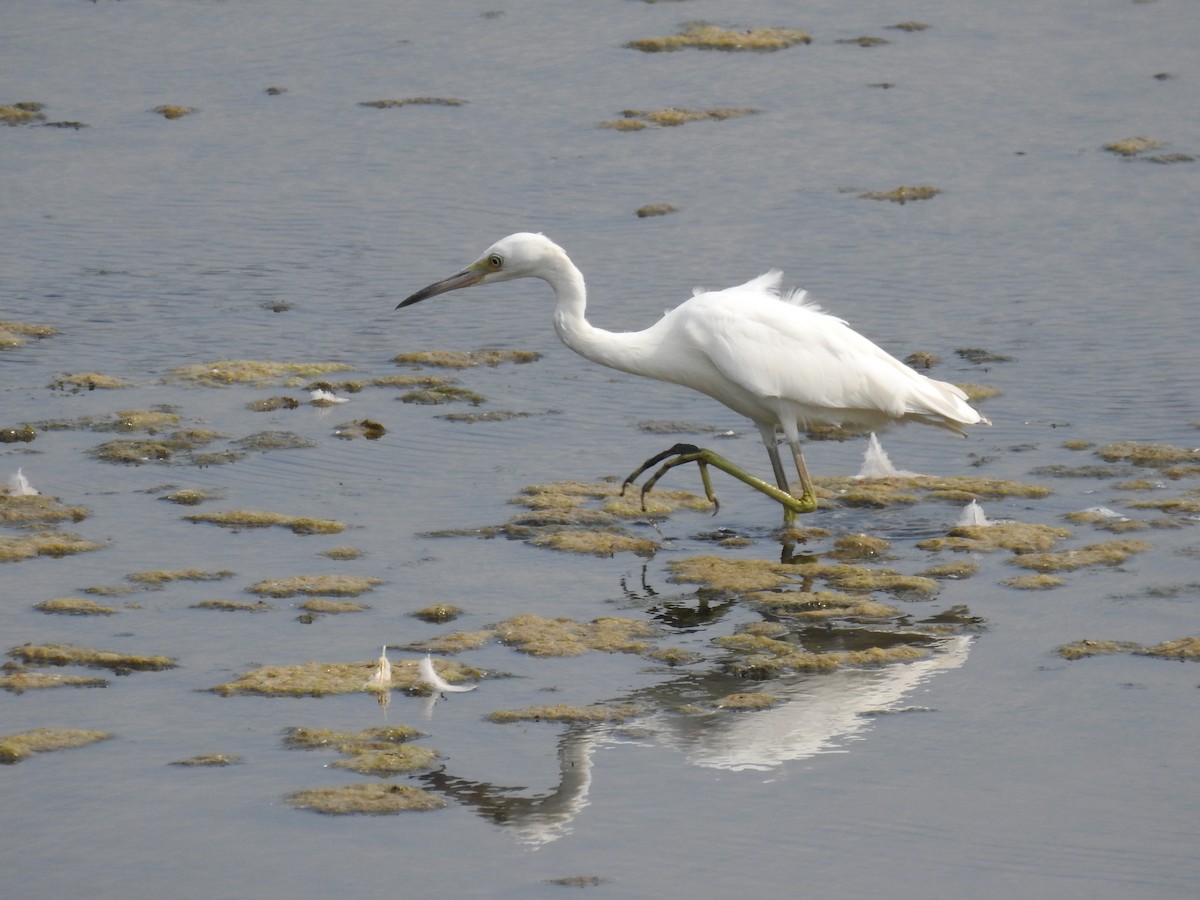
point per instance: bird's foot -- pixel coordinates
(681, 454)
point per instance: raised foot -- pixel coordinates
(681, 454)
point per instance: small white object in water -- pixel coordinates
(973, 514)
(876, 463)
(381, 678)
(325, 398)
(19, 486)
(440, 685)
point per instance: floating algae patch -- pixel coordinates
(212, 760)
(151, 420)
(266, 441)
(317, 679)
(539, 636)
(360, 428)
(1085, 648)
(24, 434)
(859, 546)
(822, 605)
(498, 415)
(165, 576)
(464, 359)
(437, 613)
(20, 681)
(704, 36)
(318, 585)
(163, 448)
(756, 656)
(233, 606)
(70, 655)
(733, 575)
(865, 40)
(1142, 454)
(903, 194)
(332, 607)
(89, 381)
(1133, 146)
(297, 738)
(656, 209)
(16, 747)
(15, 334)
(412, 101)
(952, 570)
(270, 404)
(372, 798)
(45, 543)
(36, 509)
(238, 519)
(247, 371)
(174, 110)
(1181, 648)
(443, 393)
(572, 715)
(1107, 554)
(191, 496)
(454, 642)
(1019, 537)
(596, 543)
(746, 701)
(1039, 582)
(23, 113)
(74, 606)
(367, 760)
(637, 119)
(342, 553)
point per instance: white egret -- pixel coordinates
(774, 357)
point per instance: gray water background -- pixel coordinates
(151, 243)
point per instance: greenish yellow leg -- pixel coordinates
(689, 453)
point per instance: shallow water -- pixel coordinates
(149, 244)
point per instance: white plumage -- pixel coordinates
(775, 358)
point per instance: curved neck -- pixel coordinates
(627, 351)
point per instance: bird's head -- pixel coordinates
(521, 255)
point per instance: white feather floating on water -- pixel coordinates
(876, 463)
(972, 514)
(325, 398)
(381, 678)
(440, 685)
(19, 486)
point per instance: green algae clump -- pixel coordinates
(297, 738)
(637, 119)
(1039, 582)
(539, 636)
(371, 798)
(903, 194)
(437, 613)
(412, 101)
(464, 359)
(1018, 537)
(318, 679)
(233, 606)
(69, 654)
(1133, 146)
(1109, 553)
(1181, 648)
(19, 682)
(597, 543)
(215, 760)
(746, 700)
(253, 518)
(36, 509)
(44, 543)
(704, 36)
(561, 713)
(16, 747)
(327, 585)
(247, 371)
(369, 760)
(74, 606)
(88, 381)
(1143, 454)
(332, 607)
(14, 334)
(164, 576)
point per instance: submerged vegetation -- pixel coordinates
(703, 36)
(637, 119)
(16, 747)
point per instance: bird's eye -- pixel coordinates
(496, 262)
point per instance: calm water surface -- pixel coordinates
(150, 244)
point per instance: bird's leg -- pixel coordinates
(807, 491)
(689, 453)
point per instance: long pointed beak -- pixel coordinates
(465, 278)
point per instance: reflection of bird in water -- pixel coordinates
(776, 359)
(812, 714)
